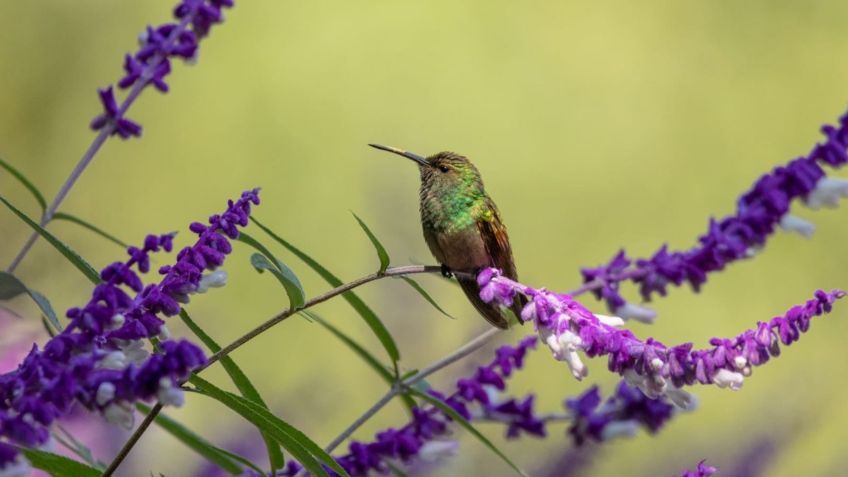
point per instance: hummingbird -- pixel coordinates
(462, 225)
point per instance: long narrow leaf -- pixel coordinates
(381, 251)
(65, 250)
(58, 465)
(364, 311)
(467, 425)
(363, 353)
(194, 442)
(11, 286)
(245, 387)
(289, 280)
(97, 230)
(417, 287)
(297, 443)
(26, 183)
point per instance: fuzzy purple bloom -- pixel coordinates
(151, 64)
(566, 327)
(99, 359)
(759, 212)
(703, 470)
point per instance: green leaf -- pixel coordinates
(89, 226)
(364, 311)
(194, 442)
(381, 251)
(65, 250)
(426, 295)
(26, 183)
(260, 263)
(11, 286)
(360, 350)
(245, 387)
(296, 442)
(57, 465)
(243, 461)
(467, 425)
(289, 280)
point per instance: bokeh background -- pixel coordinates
(596, 125)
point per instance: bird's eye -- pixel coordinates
(444, 168)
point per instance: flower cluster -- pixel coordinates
(703, 470)
(99, 359)
(152, 62)
(758, 213)
(567, 327)
(622, 414)
(476, 399)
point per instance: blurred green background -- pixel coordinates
(595, 125)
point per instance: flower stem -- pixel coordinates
(95, 146)
(122, 454)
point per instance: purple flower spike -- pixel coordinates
(759, 212)
(151, 64)
(99, 359)
(703, 470)
(567, 327)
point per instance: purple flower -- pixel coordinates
(151, 64)
(703, 470)
(622, 414)
(99, 359)
(567, 327)
(759, 212)
(112, 117)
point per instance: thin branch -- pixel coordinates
(122, 454)
(390, 272)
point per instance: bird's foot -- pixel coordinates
(446, 271)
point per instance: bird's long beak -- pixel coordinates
(401, 152)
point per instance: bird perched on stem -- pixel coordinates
(462, 225)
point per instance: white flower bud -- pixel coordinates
(827, 193)
(114, 360)
(216, 279)
(610, 320)
(433, 451)
(793, 223)
(619, 429)
(170, 395)
(642, 314)
(105, 393)
(728, 379)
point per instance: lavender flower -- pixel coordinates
(476, 398)
(99, 359)
(759, 212)
(567, 327)
(703, 470)
(152, 62)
